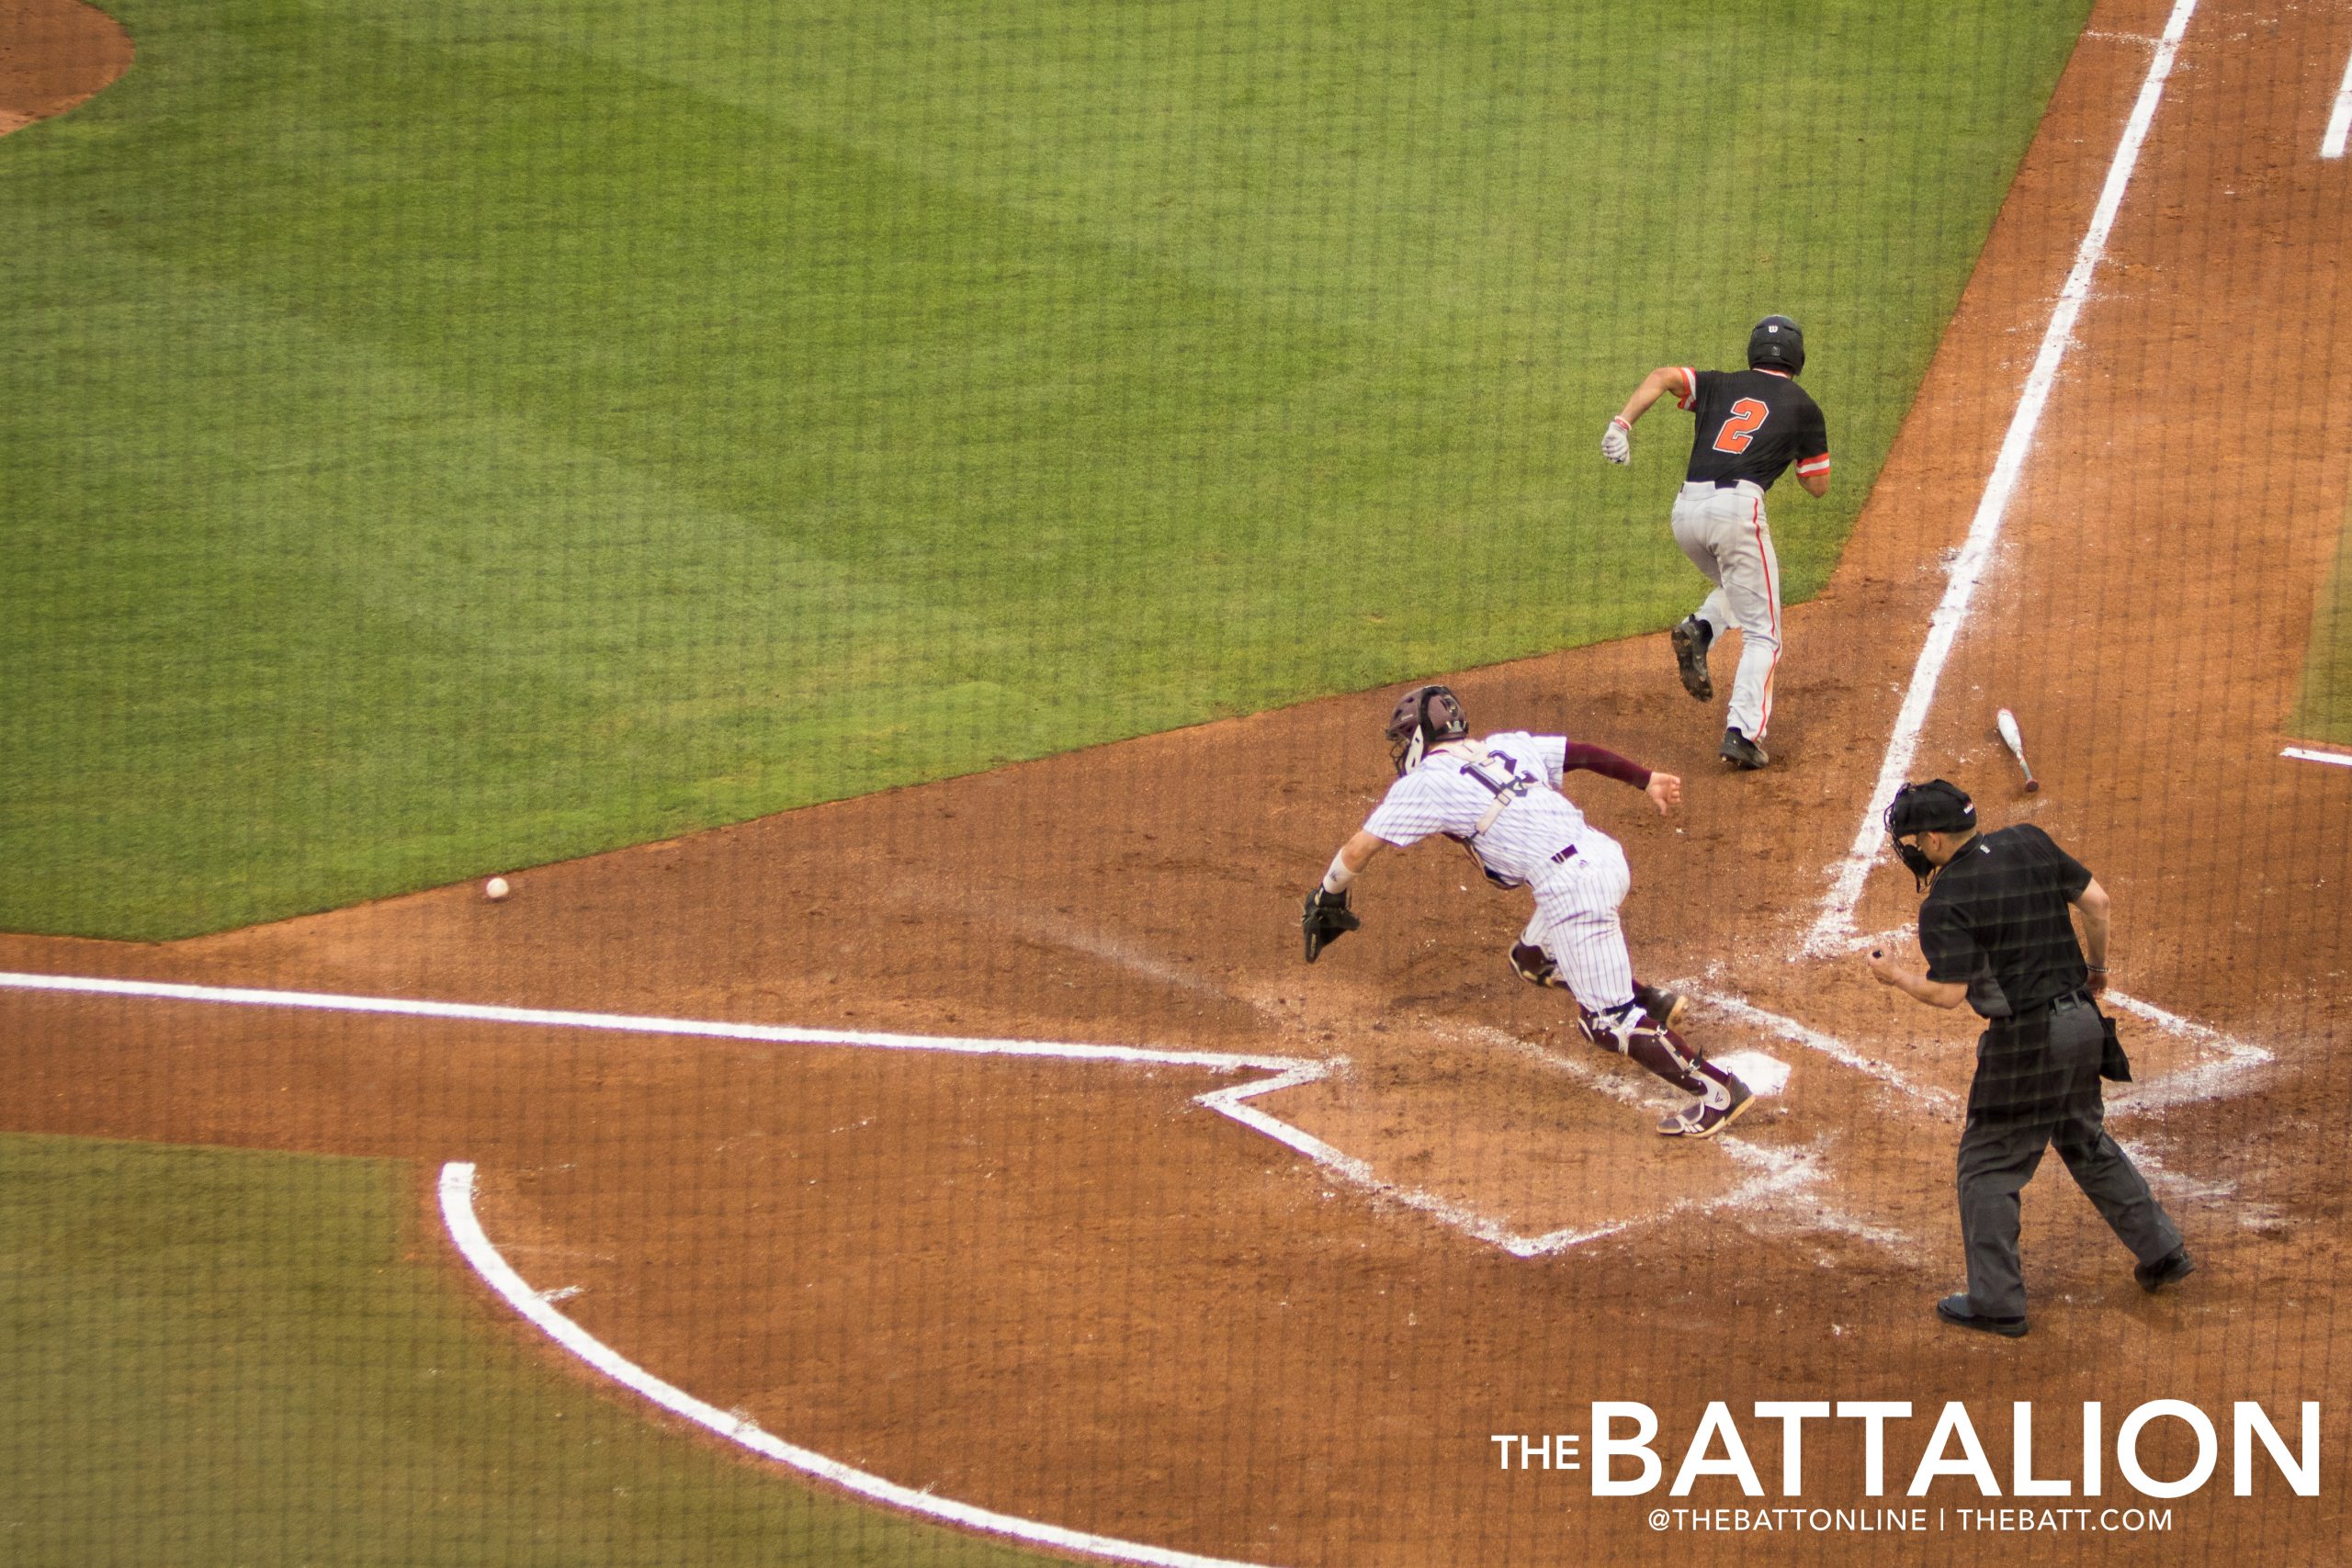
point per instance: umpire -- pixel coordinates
(1995, 929)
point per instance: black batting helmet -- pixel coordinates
(1423, 716)
(1777, 341)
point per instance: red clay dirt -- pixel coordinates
(54, 54)
(1068, 1292)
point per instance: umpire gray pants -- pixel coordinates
(2002, 1145)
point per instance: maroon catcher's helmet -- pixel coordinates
(1423, 716)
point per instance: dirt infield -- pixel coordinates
(1067, 1292)
(54, 54)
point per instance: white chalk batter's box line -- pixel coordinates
(1772, 1173)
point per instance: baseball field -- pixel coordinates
(895, 529)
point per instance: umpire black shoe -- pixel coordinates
(1691, 637)
(1954, 1311)
(1742, 753)
(2172, 1266)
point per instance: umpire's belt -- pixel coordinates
(2077, 998)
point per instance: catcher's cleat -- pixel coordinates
(1741, 752)
(1534, 966)
(1726, 1100)
(2174, 1266)
(1666, 1008)
(1954, 1310)
(1693, 638)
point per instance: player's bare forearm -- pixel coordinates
(1358, 851)
(1815, 485)
(1914, 983)
(1354, 856)
(2093, 905)
(1656, 384)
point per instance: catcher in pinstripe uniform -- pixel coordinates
(1500, 799)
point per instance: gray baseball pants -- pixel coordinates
(2002, 1145)
(1726, 537)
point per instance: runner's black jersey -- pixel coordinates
(1752, 425)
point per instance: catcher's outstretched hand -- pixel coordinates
(1324, 918)
(1666, 789)
(1617, 441)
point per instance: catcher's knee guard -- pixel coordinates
(1534, 966)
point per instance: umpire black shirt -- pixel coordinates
(1996, 917)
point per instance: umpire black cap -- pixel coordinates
(1935, 807)
(1777, 341)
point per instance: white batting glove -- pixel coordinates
(1617, 442)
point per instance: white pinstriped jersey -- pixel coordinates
(1510, 782)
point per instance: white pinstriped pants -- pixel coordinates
(1576, 922)
(1725, 535)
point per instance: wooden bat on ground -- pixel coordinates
(2007, 724)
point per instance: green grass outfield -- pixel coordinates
(2325, 711)
(218, 1356)
(444, 437)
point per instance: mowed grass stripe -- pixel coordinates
(472, 435)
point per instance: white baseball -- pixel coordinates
(495, 889)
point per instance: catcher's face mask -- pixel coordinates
(1423, 716)
(1935, 806)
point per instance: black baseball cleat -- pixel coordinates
(2172, 1266)
(1954, 1311)
(1741, 752)
(1691, 637)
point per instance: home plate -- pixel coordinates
(1760, 1073)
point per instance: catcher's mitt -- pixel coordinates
(1324, 918)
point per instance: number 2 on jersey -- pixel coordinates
(1736, 432)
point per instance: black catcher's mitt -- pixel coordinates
(1326, 917)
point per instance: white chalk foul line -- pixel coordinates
(466, 1231)
(1835, 923)
(2304, 754)
(2339, 120)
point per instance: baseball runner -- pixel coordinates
(1499, 799)
(1751, 425)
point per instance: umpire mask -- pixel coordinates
(1935, 807)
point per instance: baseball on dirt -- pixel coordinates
(495, 889)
